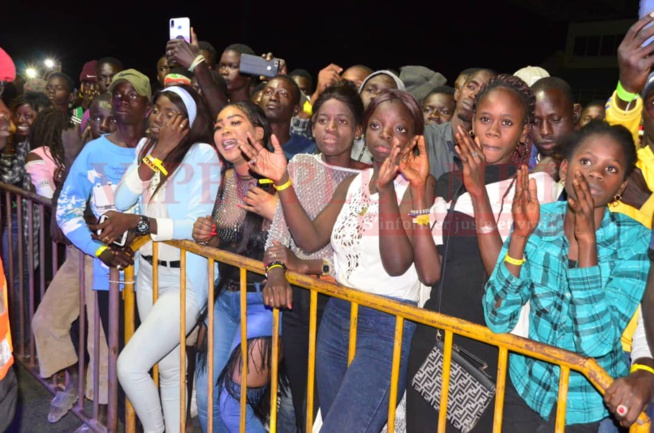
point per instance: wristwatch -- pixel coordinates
(143, 226)
(326, 268)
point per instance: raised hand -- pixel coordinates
(328, 76)
(389, 169)
(583, 208)
(415, 167)
(635, 61)
(525, 209)
(170, 135)
(474, 162)
(181, 52)
(264, 162)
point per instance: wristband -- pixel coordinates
(150, 165)
(158, 163)
(283, 186)
(265, 181)
(101, 250)
(199, 59)
(624, 94)
(276, 263)
(307, 108)
(422, 220)
(642, 367)
(415, 213)
(513, 261)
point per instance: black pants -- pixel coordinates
(518, 417)
(295, 339)
(8, 398)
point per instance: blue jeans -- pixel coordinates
(355, 399)
(227, 336)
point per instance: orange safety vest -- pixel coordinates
(6, 357)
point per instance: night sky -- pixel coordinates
(445, 37)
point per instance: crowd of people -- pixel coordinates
(500, 200)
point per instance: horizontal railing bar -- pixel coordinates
(26, 194)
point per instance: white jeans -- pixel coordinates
(156, 341)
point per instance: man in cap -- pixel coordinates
(95, 174)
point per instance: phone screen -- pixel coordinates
(180, 28)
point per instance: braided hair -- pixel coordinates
(46, 131)
(528, 99)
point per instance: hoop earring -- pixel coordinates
(471, 133)
(616, 200)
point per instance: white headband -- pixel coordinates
(188, 101)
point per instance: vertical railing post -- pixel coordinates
(182, 339)
(244, 347)
(21, 275)
(395, 372)
(210, 341)
(30, 278)
(82, 332)
(445, 385)
(114, 305)
(562, 400)
(354, 319)
(311, 370)
(130, 318)
(274, 371)
(502, 368)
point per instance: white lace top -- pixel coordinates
(355, 240)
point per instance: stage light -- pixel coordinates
(49, 63)
(31, 72)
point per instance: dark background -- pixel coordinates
(445, 36)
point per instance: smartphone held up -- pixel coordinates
(180, 28)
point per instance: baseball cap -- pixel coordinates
(140, 82)
(88, 72)
(7, 67)
(531, 74)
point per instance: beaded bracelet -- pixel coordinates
(283, 186)
(512, 261)
(273, 265)
(416, 212)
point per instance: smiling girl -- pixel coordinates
(583, 271)
(376, 249)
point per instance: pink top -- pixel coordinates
(42, 171)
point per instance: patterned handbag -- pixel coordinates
(471, 389)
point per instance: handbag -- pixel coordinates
(471, 389)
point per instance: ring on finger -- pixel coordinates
(622, 410)
(475, 154)
(119, 267)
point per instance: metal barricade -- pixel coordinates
(26, 355)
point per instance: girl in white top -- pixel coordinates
(377, 248)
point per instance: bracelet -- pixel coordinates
(624, 94)
(484, 230)
(199, 59)
(274, 264)
(283, 186)
(101, 250)
(642, 367)
(265, 181)
(422, 220)
(415, 213)
(159, 164)
(513, 261)
(150, 165)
